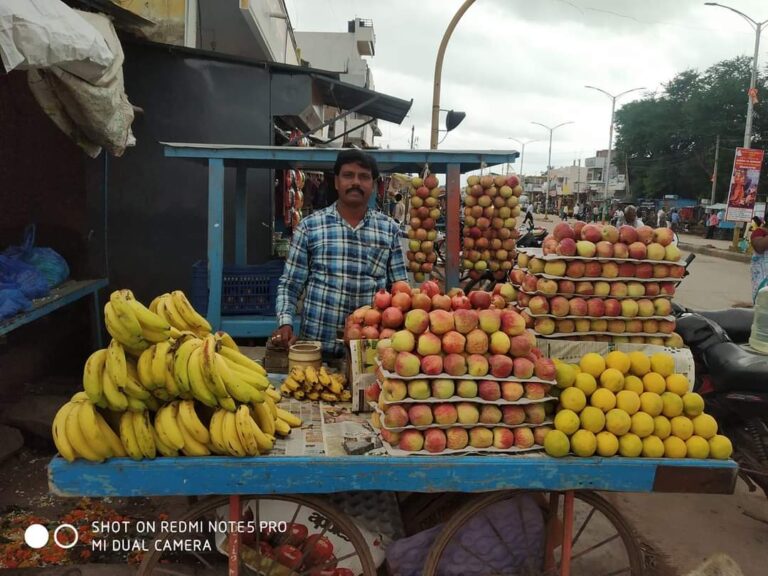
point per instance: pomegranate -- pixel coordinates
(382, 299)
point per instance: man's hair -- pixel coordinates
(398, 197)
(757, 220)
(354, 156)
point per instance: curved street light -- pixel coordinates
(549, 163)
(439, 72)
(522, 152)
(607, 169)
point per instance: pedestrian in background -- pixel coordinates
(399, 214)
(759, 263)
(712, 223)
(595, 212)
(661, 218)
(675, 219)
(577, 211)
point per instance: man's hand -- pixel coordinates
(283, 337)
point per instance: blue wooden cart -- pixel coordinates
(566, 485)
(220, 157)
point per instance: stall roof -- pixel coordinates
(346, 96)
(324, 158)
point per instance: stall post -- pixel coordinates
(452, 227)
(241, 216)
(215, 239)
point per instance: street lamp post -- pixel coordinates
(522, 152)
(549, 163)
(758, 28)
(607, 169)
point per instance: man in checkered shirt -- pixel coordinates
(339, 257)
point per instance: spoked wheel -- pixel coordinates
(504, 533)
(267, 552)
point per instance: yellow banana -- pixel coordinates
(228, 404)
(245, 431)
(265, 442)
(272, 406)
(242, 359)
(329, 397)
(282, 427)
(293, 421)
(297, 373)
(250, 376)
(144, 369)
(115, 398)
(154, 336)
(346, 395)
(153, 305)
(197, 383)
(92, 375)
(263, 416)
(285, 390)
(218, 444)
(170, 380)
(174, 316)
(227, 340)
(336, 387)
(181, 362)
(151, 403)
(291, 384)
(323, 376)
(128, 437)
(299, 394)
(125, 314)
(168, 427)
(188, 419)
(161, 446)
(208, 364)
(310, 375)
(79, 397)
(117, 330)
(127, 293)
(188, 313)
(115, 445)
(273, 393)
(89, 426)
(59, 432)
(191, 446)
(236, 387)
(135, 405)
(148, 319)
(77, 438)
(142, 430)
(313, 395)
(231, 439)
(116, 363)
(160, 351)
(134, 389)
(176, 333)
(161, 394)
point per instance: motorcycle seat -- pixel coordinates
(732, 368)
(737, 322)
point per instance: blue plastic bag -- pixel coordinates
(12, 300)
(49, 262)
(24, 277)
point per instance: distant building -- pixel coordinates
(595, 184)
(344, 52)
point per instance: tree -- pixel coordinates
(668, 141)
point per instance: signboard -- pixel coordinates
(743, 189)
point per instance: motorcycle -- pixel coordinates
(734, 383)
(531, 236)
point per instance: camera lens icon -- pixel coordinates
(36, 536)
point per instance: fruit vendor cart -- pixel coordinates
(592, 529)
(240, 158)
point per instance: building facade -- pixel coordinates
(617, 185)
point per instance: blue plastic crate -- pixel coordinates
(244, 289)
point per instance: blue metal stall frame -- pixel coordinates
(221, 156)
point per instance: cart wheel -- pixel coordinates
(603, 542)
(159, 561)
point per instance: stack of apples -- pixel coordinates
(603, 283)
(386, 314)
(425, 212)
(491, 209)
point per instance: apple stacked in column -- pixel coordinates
(491, 209)
(425, 212)
(604, 283)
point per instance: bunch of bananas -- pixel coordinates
(137, 327)
(311, 384)
(211, 370)
(80, 431)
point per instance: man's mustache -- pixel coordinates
(358, 190)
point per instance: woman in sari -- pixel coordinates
(759, 268)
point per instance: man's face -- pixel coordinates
(354, 185)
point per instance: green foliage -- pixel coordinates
(668, 140)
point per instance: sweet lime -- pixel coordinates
(592, 363)
(653, 447)
(720, 447)
(630, 446)
(567, 421)
(583, 443)
(607, 444)
(639, 363)
(556, 443)
(573, 399)
(663, 363)
(604, 399)
(592, 419)
(618, 422)
(618, 360)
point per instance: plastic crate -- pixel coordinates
(244, 289)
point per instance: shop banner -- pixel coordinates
(744, 180)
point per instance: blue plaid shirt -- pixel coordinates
(338, 268)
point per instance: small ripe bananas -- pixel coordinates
(312, 384)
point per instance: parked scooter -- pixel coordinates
(734, 383)
(531, 236)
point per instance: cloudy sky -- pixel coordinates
(513, 62)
